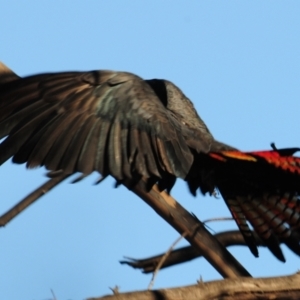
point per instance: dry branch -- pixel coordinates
(163, 259)
(284, 288)
(195, 232)
(31, 198)
(184, 254)
(171, 211)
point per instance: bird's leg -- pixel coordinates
(196, 234)
(28, 200)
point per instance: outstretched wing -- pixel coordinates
(262, 188)
(121, 125)
(105, 121)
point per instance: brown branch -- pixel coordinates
(196, 234)
(283, 288)
(169, 210)
(32, 197)
(163, 259)
(184, 254)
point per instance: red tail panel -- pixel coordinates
(273, 157)
(262, 188)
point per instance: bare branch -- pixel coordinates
(184, 254)
(32, 197)
(197, 235)
(169, 210)
(286, 288)
(163, 258)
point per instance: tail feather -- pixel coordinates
(282, 208)
(293, 243)
(274, 221)
(241, 221)
(260, 222)
(261, 188)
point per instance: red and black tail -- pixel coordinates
(262, 188)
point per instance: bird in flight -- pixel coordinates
(119, 124)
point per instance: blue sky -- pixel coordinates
(238, 61)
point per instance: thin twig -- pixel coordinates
(115, 290)
(32, 197)
(163, 258)
(52, 292)
(218, 219)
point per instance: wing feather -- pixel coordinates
(60, 145)
(44, 140)
(69, 160)
(87, 156)
(47, 121)
(11, 145)
(101, 154)
(38, 140)
(114, 151)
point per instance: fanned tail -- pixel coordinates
(261, 188)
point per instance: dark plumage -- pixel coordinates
(118, 124)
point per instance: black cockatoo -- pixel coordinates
(119, 124)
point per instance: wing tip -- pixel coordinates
(6, 74)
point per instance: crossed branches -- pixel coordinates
(203, 243)
(171, 211)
